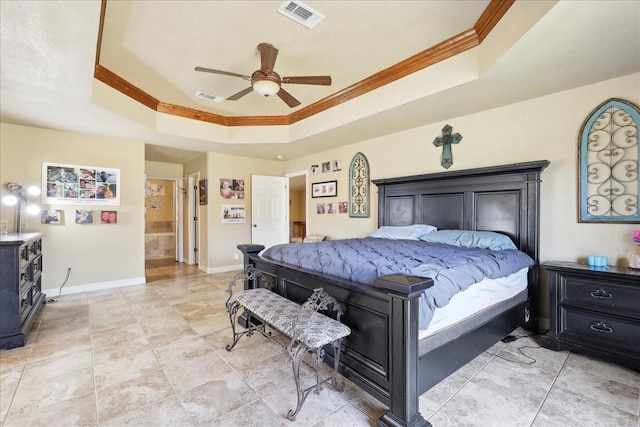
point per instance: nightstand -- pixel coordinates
(594, 311)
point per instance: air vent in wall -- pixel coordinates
(301, 13)
(209, 97)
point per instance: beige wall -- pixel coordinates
(297, 210)
(97, 253)
(541, 128)
(223, 238)
(163, 170)
(165, 210)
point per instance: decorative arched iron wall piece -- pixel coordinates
(359, 187)
(608, 164)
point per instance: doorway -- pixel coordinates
(297, 206)
(162, 219)
(166, 268)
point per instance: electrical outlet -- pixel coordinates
(236, 256)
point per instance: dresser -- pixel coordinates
(594, 311)
(21, 296)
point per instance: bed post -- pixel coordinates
(248, 250)
(404, 292)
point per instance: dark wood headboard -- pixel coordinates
(502, 198)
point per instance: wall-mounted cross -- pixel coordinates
(445, 141)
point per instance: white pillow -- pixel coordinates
(406, 232)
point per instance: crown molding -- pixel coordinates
(444, 50)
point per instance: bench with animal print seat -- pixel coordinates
(309, 330)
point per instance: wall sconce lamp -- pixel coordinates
(17, 197)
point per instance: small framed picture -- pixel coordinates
(324, 189)
(320, 208)
(314, 169)
(84, 217)
(234, 214)
(52, 216)
(108, 217)
(202, 188)
(337, 165)
(326, 167)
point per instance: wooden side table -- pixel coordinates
(594, 311)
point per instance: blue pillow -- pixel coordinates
(471, 239)
(407, 232)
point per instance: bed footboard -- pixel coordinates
(381, 354)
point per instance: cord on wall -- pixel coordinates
(60, 290)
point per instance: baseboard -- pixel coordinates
(95, 287)
(225, 268)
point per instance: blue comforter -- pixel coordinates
(453, 269)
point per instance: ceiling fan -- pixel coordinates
(267, 82)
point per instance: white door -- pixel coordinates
(269, 210)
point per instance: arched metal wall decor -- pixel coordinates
(359, 187)
(608, 164)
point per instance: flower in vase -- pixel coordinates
(636, 236)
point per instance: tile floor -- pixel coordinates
(154, 355)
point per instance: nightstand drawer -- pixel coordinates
(599, 292)
(600, 327)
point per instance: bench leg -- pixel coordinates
(297, 353)
(233, 312)
(336, 365)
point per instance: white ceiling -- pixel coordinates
(48, 51)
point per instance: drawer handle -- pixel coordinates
(601, 293)
(601, 327)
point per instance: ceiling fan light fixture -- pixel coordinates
(266, 87)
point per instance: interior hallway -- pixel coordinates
(168, 268)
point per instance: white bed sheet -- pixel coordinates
(475, 298)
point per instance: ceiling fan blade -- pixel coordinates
(240, 94)
(224, 73)
(268, 55)
(288, 98)
(308, 80)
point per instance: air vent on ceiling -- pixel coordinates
(209, 97)
(301, 13)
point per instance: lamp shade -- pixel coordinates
(266, 87)
(10, 200)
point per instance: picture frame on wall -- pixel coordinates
(202, 188)
(324, 189)
(52, 216)
(108, 217)
(67, 184)
(234, 214)
(231, 188)
(84, 217)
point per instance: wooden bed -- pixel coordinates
(382, 353)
